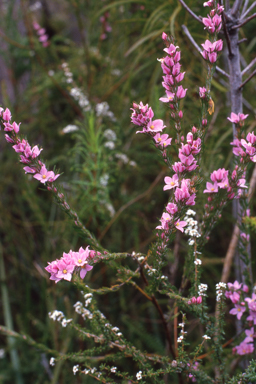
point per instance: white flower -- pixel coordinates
(191, 242)
(122, 157)
(109, 145)
(52, 361)
(191, 212)
(206, 337)
(180, 338)
(56, 315)
(87, 295)
(104, 180)
(75, 369)
(119, 334)
(109, 134)
(93, 370)
(88, 301)
(139, 375)
(115, 329)
(70, 128)
(113, 369)
(197, 262)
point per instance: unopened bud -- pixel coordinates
(180, 114)
(199, 300)
(204, 122)
(194, 130)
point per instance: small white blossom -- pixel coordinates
(113, 369)
(75, 369)
(88, 301)
(123, 157)
(139, 375)
(206, 337)
(119, 334)
(104, 180)
(191, 212)
(191, 242)
(93, 370)
(52, 361)
(115, 329)
(198, 262)
(180, 338)
(70, 128)
(87, 295)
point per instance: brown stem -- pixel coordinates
(245, 21)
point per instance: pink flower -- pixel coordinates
(244, 348)
(234, 118)
(65, 270)
(180, 225)
(171, 182)
(181, 92)
(169, 98)
(211, 188)
(238, 311)
(171, 208)
(7, 115)
(202, 92)
(45, 175)
(155, 126)
(162, 140)
(249, 335)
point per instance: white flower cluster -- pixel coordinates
(151, 271)
(220, 290)
(109, 134)
(181, 337)
(192, 226)
(76, 92)
(125, 159)
(104, 180)
(139, 375)
(82, 311)
(113, 369)
(59, 316)
(92, 370)
(202, 288)
(206, 337)
(109, 145)
(102, 109)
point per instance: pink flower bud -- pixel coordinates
(180, 114)
(7, 115)
(164, 36)
(182, 138)
(194, 130)
(193, 300)
(199, 300)
(189, 302)
(204, 122)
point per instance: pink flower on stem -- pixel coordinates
(169, 98)
(180, 225)
(244, 348)
(162, 140)
(45, 176)
(155, 126)
(171, 182)
(234, 118)
(7, 115)
(238, 311)
(211, 188)
(181, 92)
(249, 335)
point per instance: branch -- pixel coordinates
(234, 240)
(245, 6)
(198, 18)
(187, 33)
(236, 7)
(244, 22)
(248, 79)
(248, 10)
(249, 66)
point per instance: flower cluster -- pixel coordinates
(245, 149)
(64, 268)
(42, 35)
(172, 75)
(59, 316)
(213, 22)
(220, 287)
(192, 228)
(210, 52)
(28, 155)
(236, 293)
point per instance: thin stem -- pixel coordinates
(248, 79)
(248, 10)
(249, 66)
(198, 18)
(245, 21)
